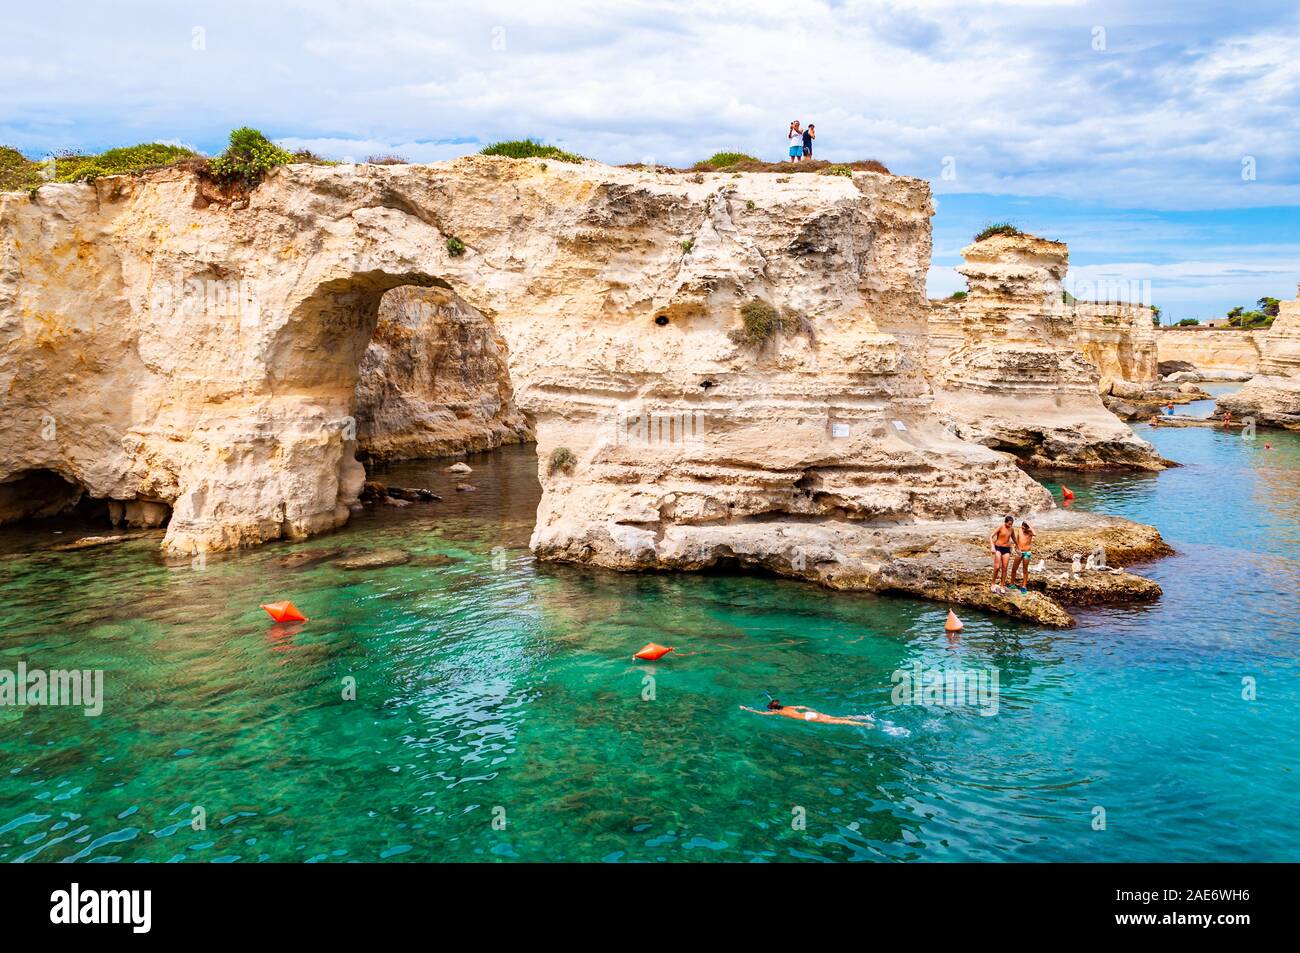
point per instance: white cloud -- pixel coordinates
(1014, 92)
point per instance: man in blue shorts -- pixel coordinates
(795, 140)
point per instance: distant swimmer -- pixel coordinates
(804, 713)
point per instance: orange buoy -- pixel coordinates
(953, 624)
(653, 652)
(284, 612)
(1066, 493)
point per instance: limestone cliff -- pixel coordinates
(1272, 397)
(1009, 366)
(163, 351)
(434, 380)
(1118, 339)
(1211, 349)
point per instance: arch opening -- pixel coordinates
(434, 381)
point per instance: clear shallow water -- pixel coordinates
(493, 683)
(1203, 408)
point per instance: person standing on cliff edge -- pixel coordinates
(794, 139)
(809, 135)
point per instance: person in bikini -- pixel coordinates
(1024, 553)
(804, 713)
(1001, 540)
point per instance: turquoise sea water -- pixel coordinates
(493, 688)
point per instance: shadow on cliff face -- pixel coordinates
(55, 502)
(35, 494)
(434, 381)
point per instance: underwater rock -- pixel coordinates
(375, 559)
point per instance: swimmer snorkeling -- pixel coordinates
(804, 713)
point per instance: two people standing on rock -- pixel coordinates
(1004, 540)
(800, 141)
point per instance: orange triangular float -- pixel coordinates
(652, 652)
(953, 624)
(1066, 493)
(284, 612)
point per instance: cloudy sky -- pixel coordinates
(1160, 139)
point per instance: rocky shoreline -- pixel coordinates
(717, 368)
(947, 562)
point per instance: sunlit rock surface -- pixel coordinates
(1272, 397)
(1008, 362)
(222, 360)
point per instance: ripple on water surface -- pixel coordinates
(488, 686)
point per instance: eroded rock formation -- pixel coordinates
(1272, 397)
(434, 380)
(1009, 366)
(158, 348)
(1211, 349)
(1118, 339)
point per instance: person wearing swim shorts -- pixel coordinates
(804, 713)
(1001, 540)
(1024, 553)
(809, 135)
(794, 139)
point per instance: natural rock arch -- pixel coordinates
(239, 416)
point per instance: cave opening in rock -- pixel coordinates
(44, 495)
(37, 494)
(434, 381)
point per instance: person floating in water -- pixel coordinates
(1002, 539)
(1024, 553)
(804, 713)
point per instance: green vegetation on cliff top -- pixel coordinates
(18, 173)
(528, 149)
(741, 162)
(248, 157)
(997, 228)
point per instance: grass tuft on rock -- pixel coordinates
(997, 228)
(248, 158)
(723, 160)
(749, 164)
(761, 321)
(529, 149)
(455, 247)
(18, 173)
(561, 460)
(311, 158)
